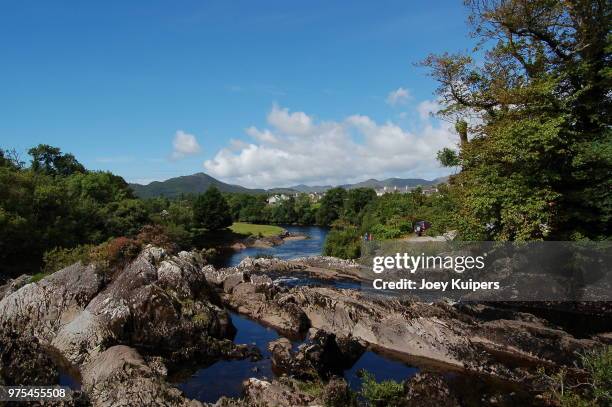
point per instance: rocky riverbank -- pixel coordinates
(122, 330)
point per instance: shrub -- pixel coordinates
(157, 236)
(58, 258)
(115, 253)
(382, 232)
(596, 391)
(387, 392)
(343, 243)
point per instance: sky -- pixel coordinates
(257, 93)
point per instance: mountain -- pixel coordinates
(200, 182)
(188, 184)
(400, 183)
(309, 189)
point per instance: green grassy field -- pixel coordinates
(251, 229)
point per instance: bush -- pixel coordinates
(343, 243)
(387, 392)
(115, 253)
(596, 391)
(157, 236)
(383, 232)
(58, 258)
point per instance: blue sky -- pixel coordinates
(272, 93)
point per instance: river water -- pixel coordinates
(224, 378)
(313, 246)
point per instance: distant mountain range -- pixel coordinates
(200, 182)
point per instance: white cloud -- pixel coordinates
(265, 136)
(184, 144)
(428, 107)
(398, 96)
(299, 149)
(297, 123)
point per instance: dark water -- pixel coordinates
(224, 378)
(313, 246)
(69, 379)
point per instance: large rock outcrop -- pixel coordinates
(479, 338)
(158, 304)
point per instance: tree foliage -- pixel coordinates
(56, 203)
(211, 211)
(332, 205)
(538, 160)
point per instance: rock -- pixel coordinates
(238, 246)
(268, 264)
(157, 302)
(319, 358)
(23, 361)
(264, 393)
(428, 390)
(13, 285)
(480, 338)
(258, 298)
(337, 393)
(42, 308)
(327, 262)
(120, 377)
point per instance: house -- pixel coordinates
(315, 196)
(430, 190)
(274, 199)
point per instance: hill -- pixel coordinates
(200, 182)
(188, 184)
(400, 183)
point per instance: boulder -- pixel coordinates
(275, 394)
(321, 357)
(428, 390)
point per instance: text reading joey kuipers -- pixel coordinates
(404, 263)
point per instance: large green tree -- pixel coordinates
(211, 211)
(533, 120)
(356, 200)
(332, 206)
(50, 160)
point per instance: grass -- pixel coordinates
(255, 230)
(37, 277)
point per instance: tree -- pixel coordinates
(211, 211)
(538, 158)
(10, 158)
(356, 200)
(50, 160)
(304, 211)
(448, 157)
(331, 207)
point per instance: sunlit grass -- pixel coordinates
(255, 230)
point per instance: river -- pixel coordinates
(224, 378)
(313, 246)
